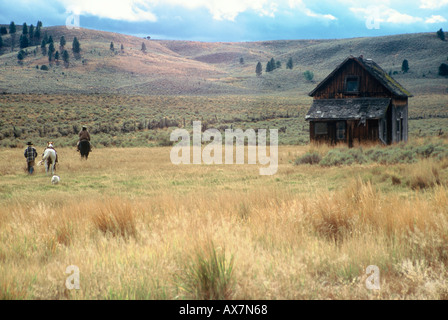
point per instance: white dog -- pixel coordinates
(55, 179)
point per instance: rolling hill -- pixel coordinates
(130, 98)
(172, 67)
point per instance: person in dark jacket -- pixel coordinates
(30, 155)
(84, 135)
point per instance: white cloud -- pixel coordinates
(141, 10)
(383, 13)
(433, 4)
(393, 16)
(130, 10)
(299, 4)
(435, 19)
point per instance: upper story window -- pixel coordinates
(352, 84)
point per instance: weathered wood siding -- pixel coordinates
(392, 128)
(355, 131)
(368, 85)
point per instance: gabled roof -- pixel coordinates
(373, 69)
(348, 109)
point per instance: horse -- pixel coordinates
(49, 159)
(84, 148)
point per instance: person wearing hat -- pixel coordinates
(30, 155)
(84, 135)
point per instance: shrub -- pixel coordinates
(337, 157)
(425, 175)
(44, 67)
(443, 70)
(308, 75)
(309, 158)
(165, 142)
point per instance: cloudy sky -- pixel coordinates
(235, 20)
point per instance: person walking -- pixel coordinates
(30, 155)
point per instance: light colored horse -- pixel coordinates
(49, 159)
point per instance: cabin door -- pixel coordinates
(350, 125)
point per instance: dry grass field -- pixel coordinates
(139, 227)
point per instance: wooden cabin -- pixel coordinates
(359, 102)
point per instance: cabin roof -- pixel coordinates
(348, 109)
(373, 69)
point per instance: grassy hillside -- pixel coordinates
(188, 67)
(121, 94)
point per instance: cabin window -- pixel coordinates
(340, 130)
(352, 84)
(320, 128)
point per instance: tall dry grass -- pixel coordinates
(219, 233)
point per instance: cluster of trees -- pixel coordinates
(112, 48)
(271, 66)
(32, 35)
(55, 55)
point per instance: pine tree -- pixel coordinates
(268, 66)
(111, 47)
(405, 66)
(441, 34)
(12, 32)
(39, 24)
(23, 41)
(56, 56)
(258, 69)
(51, 48)
(289, 64)
(21, 56)
(24, 28)
(43, 47)
(122, 48)
(143, 47)
(65, 58)
(272, 64)
(278, 64)
(1, 42)
(31, 34)
(76, 47)
(37, 33)
(62, 42)
(3, 30)
(12, 27)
